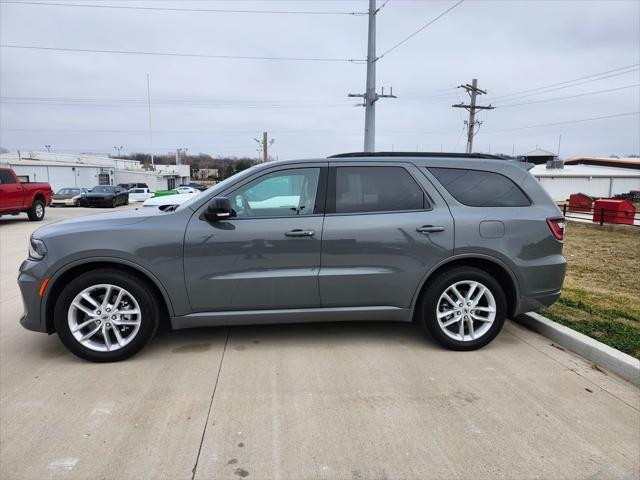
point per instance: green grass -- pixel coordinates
(601, 294)
(615, 327)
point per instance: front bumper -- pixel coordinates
(29, 280)
(69, 202)
(96, 202)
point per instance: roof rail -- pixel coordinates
(415, 154)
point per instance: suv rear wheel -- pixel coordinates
(105, 315)
(464, 308)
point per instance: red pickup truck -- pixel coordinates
(16, 197)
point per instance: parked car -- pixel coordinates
(67, 197)
(456, 242)
(197, 186)
(105, 196)
(168, 200)
(139, 194)
(129, 186)
(183, 189)
(17, 196)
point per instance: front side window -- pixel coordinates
(6, 177)
(376, 189)
(477, 188)
(279, 194)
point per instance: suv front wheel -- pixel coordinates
(464, 308)
(105, 315)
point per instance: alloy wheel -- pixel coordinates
(104, 317)
(466, 310)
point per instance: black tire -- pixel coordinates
(36, 212)
(114, 203)
(150, 314)
(428, 306)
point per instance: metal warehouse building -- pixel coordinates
(86, 170)
(597, 177)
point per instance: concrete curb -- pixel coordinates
(597, 352)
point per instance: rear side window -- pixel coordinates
(477, 188)
(376, 189)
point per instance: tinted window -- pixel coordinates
(376, 189)
(103, 189)
(278, 194)
(477, 188)
(6, 177)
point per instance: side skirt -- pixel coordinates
(297, 315)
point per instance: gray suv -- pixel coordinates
(454, 242)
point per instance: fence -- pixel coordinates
(602, 215)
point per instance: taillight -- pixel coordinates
(556, 224)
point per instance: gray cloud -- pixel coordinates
(509, 46)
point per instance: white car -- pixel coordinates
(139, 194)
(184, 189)
(167, 200)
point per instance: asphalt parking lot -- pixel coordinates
(336, 401)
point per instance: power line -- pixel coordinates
(574, 80)
(176, 54)
(176, 9)
(569, 96)
(564, 123)
(430, 22)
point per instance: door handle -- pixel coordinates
(300, 233)
(429, 229)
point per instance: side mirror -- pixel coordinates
(218, 209)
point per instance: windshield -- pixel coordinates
(219, 187)
(69, 191)
(103, 189)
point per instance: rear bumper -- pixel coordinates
(533, 304)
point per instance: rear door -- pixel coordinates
(385, 228)
(11, 193)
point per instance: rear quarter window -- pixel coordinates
(478, 188)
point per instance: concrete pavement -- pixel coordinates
(334, 401)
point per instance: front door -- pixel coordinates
(385, 228)
(267, 256)
(11, 195)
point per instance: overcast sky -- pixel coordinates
(77, 101)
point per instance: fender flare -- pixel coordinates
(469, 256)
(102, 259)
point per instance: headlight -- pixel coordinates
(37, 249)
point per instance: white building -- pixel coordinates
(87, 170)
(583, 176)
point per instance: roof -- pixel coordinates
(540, 153)
(604, 161)
(584, 171)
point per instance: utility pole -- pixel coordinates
(370, 96)
(48, 147)
(118, 149)
(179, 152)
(264, 144)
(153, 165)
(473, 92)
